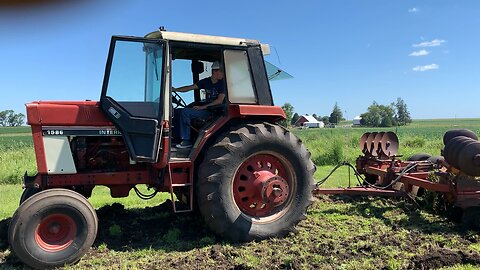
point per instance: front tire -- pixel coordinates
(256, 182)
(53, 228)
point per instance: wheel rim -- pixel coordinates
(55, 232)
(263, 186)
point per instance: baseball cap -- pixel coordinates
(216, 65)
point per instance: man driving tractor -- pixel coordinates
(215, 95)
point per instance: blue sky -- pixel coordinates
(351, 52)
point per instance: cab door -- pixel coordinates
(132, 93)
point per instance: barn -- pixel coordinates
(356, 121)
(309, 121)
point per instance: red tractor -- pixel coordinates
(249, 177)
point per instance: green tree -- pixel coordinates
(379, 116)
(325, 119)
(3, 118)
(288, 109)
(336, 116)
(295, 117)
(16, 119)
(10, 118)
(402, 115)
(320, 118)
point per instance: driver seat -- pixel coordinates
(197, 123)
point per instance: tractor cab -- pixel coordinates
(137, 91)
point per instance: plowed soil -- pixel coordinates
(339, 233)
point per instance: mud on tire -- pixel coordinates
(247, 164)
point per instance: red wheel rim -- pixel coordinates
(262, 185)
(55, 232)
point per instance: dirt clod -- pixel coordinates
(444, 257)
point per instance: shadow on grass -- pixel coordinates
(4, 234)
(152, 227)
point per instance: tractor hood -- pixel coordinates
(66, 113)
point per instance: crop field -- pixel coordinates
(16, 154)
(339, 232)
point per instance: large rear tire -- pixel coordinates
(255, 182)
(53, 228)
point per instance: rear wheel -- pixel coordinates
(53, 228)
(255, 183)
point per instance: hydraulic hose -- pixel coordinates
(362, 181)
(143, 196)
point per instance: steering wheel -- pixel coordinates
(178, 100)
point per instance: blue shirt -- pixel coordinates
(212, 90)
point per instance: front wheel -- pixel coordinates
(256, 182)
(53, 228)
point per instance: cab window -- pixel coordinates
(135, 79)
(238, 75)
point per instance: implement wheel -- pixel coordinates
(419, 157)
(53, 228)
(256, 182)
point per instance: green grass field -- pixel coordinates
(328, 146)
(100, 197)
(339, 233)
(16, 154)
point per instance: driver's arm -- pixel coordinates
(218, 100)
(185, 88)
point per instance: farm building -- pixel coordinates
(309, 121)
(356, 121)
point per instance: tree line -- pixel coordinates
(395, 114)
(377, 115)
(9, 118)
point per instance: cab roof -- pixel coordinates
(207, 39)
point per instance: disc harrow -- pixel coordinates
(381, 172)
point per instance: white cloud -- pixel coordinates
(433, 43)
(413, 10)
(420, 53)
(426, 67)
